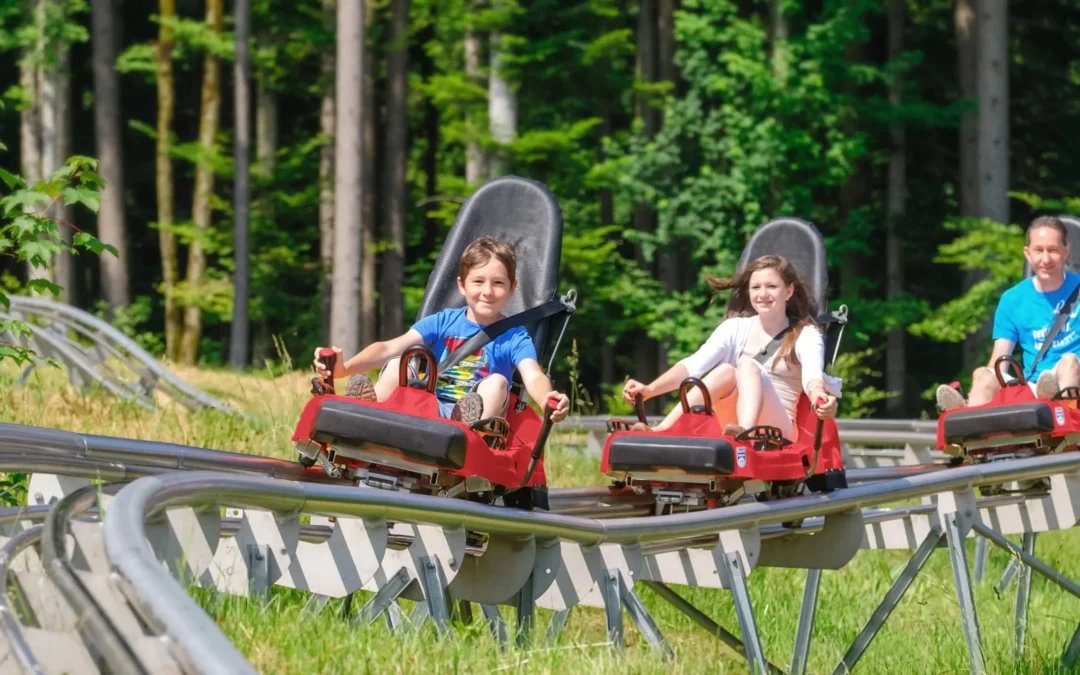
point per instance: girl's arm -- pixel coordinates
(719, 347)
(810, 348)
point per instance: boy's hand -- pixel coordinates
(339, 364)
(560, 402)
(633, 388)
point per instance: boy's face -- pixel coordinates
(486, 288)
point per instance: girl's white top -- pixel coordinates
(728, 343)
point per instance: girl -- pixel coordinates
(768, 347)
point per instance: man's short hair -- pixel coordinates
(1051, 222)
(480, 253)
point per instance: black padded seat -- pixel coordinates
(519, 212)
(801, 243)
(1072, 226)
(418, 438)
(709, 456)
(1022, 419)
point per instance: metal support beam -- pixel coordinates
(609, 586)
(383, 598)
(1031, 561)
(807, 612)
(1072, 650)
(744, 610)
(889, 602)
(526, 612)
(315, 604)
(1023, 590)
(431, 581)
(495, 622)
(258, 564)
(1007, 576)
(981, 548)
(558, 622)
(643, 620)
(969, 618)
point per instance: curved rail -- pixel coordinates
(9, 624)
(107, 343)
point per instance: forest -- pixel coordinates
(280, 174)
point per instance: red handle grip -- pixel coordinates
(328, 358)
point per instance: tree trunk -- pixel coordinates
(238, 339)
(856, 191)
(502, 106)
(210, 109)
(992, 85)
(107, 117)
(266, 142)
(29, 120)
(166, 239)
(895, 355)
(348, 184)
(326, 177)
(778, 34)
(397, 120)
(476, 169)
(964, 24)
(369, 309)
(650, 354)
(431, 157)
(64, 271)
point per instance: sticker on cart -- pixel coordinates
(740, 457)
(1059, 415)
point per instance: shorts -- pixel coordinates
(446, 406)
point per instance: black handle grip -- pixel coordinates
(538, 447)
(328, 358)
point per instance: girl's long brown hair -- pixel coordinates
(801, 308)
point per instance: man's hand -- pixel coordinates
(634, 388)
(339, 364)
(560, 403)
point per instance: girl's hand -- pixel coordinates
(560, 403)
(827, 409)
(339, 364)
(634, 388)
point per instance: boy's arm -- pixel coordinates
(539, 387)
(370, 357)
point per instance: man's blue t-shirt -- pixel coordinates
(447, 330)
(1024, 316)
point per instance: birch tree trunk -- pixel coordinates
(166, 239)
(266, 143)
(502, 106)
(348, 184)
(326, 176)
(369, 310)
(992, 85)
(964, 25)
(895, 354)
(30, 122)
(210, 109)
(111, 228)
(397, 120)
(476, 169)
(238, 339)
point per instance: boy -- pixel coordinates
(478, 386)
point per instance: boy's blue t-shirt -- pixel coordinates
(1024, 316)
(447, 330)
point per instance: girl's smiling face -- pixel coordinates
(768, 293)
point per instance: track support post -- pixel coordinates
(1023, 591)
(807, 612)
(258, 564)
(384, 598)
(431, 581)
(968, 616)
(735, 579)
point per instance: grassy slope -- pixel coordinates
(922, 635)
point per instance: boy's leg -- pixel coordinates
(984, 385)
(494, 391)
(1068, 372)
(389, 379)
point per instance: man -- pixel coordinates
(1024, 316)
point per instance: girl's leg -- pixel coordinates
(720, 382)
(758, 401)
(388, 379)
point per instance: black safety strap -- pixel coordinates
(491, 332)
(768, 350)
(1059, 323)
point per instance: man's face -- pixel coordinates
(487, 288)
(1047, 253)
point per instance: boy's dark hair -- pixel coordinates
(480, 253)
(1052, 222)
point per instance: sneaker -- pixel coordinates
(733, 430)
(468, 410)
(1047, 384)
(360, 387)
(949, 398)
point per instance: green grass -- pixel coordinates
(922, 636)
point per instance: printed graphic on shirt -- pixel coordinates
(1025, 315)
(458, 380)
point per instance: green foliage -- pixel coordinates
(859, 397)
(982, 246)
(30, 233)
